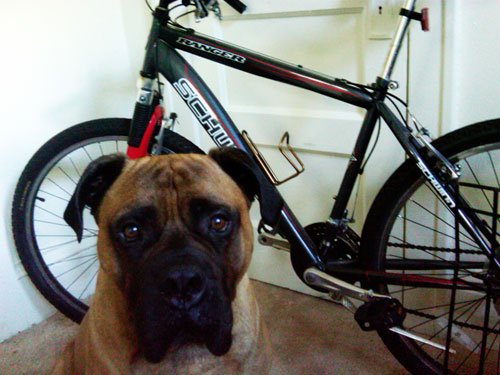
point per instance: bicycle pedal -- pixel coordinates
(336, 297)
(339, 299)
(278, 243)
(380, 313)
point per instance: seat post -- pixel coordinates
(397, 41)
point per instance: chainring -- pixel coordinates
(344, 249)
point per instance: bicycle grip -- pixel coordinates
(236, 5)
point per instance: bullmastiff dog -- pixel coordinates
(174, 244)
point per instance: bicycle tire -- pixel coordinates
(398, 219)
(37, 222)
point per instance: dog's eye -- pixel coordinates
(131, 232)
(219, 223)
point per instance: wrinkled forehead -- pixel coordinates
(178, 176)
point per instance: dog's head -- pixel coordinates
(175, 233)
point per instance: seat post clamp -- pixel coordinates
(423, 17)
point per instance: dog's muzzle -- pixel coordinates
(181, 297)
(184, 286)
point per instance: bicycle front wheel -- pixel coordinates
(63, 269)
(410, 231)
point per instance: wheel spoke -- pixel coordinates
(437, 232)
(494, 340)
(494, 169)
(71, 259)
(100, 148)
(50, 222)
(445, 327)
(67, 266)
(67, 175)
(82, 273)
(59, 186)
(462, 234)
(53, 195)
(450, 262)
(74, 166)
(74, 268)
(74, 256)
(60, 235)
(50, 212)
(87, 286)
(434, 317)
(419, 240)
(476, 179)
(47, 249)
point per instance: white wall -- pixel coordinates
(66, 62)
(476, 60)
(62, 63)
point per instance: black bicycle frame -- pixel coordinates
(162, 57)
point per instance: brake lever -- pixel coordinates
(201, 10)
(213, 5)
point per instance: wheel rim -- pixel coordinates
(423, 228)
(69, 267)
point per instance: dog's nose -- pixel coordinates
(183, 286)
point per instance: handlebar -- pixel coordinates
(236, 5)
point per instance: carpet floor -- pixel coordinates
(308, 335)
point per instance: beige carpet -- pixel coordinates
(309, 336)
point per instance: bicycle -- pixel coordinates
(428, 251)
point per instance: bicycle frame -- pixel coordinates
(162, 57)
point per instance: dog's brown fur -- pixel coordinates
(107, 341)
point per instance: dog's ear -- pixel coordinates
(241, 168)
(94, 182)
(237, 164)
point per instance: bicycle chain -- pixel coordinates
(442, 249)
(461, 324)
(432, 248)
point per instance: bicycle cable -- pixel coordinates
(361, 169)
(149, 5)
(399, 112)
(175, 6)
(182, 15)
(398, 99)
(174, 21)
(370, 89)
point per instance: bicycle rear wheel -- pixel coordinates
(63, 269)
(410, 231)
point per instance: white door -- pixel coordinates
(345, 39)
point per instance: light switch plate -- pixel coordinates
(382, 16)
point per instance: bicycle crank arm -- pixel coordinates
(410, 335)
(315, 277)
(278, 243)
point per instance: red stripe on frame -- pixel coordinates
(417, 278)
(289, 73)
